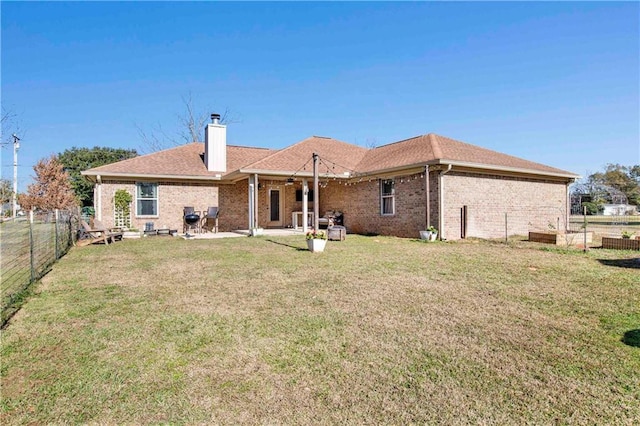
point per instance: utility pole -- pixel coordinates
(16, 146)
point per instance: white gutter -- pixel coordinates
(138, 176)
(441, 199)
(506, 169)
(290, 173)
(470, 165)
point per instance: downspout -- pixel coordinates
(441, 200)
(426, 184)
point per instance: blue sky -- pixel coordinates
(552, 82)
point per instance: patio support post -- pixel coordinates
(316, 195)
(255, 201)
(305, 205)
(426, 185)
(251, 200)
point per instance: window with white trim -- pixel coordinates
(146, 199)
(387, 197)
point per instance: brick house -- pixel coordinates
(396, 189)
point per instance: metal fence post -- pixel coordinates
(57, 218)
(72, 235)
(584, 226)
(31, 243)
(506, 231)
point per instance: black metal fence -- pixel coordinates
(28, 247)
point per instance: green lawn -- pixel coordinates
(374, 330)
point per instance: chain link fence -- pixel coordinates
(28, 247)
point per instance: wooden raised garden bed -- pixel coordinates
(620, 243)
(560, 238)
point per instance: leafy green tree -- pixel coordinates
(625, 179)
(592, 208)
(6, 190)
(6, 194)
(76, 160)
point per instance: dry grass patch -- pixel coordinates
(374, 330)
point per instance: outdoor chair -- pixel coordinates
(210, 220)
(96, 234)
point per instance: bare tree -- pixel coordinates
(52, 188)
(7, 115)
(190, 127)
(371, 143)
(10, 125)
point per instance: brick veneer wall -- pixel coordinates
(362, 212)
(529, 205)
(331, 198)
(172, 198)
(234, 210)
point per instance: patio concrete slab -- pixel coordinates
(243, 233)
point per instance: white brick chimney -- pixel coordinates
(215, 145)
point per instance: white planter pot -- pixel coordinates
(257, 231)
(316, 245)
(428, 235)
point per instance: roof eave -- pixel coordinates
(289, 173)
(93, 176)
(516, 170)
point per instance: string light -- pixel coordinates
(352, 177)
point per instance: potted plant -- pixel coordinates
(256, 232)
(431, 234)
(434, 233)
(627, 235)
(316, 241)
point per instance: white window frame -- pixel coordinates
(156, 199)
(387, 196)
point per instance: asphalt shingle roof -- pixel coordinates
(184, 160)
(426, 148)
(336, 157)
